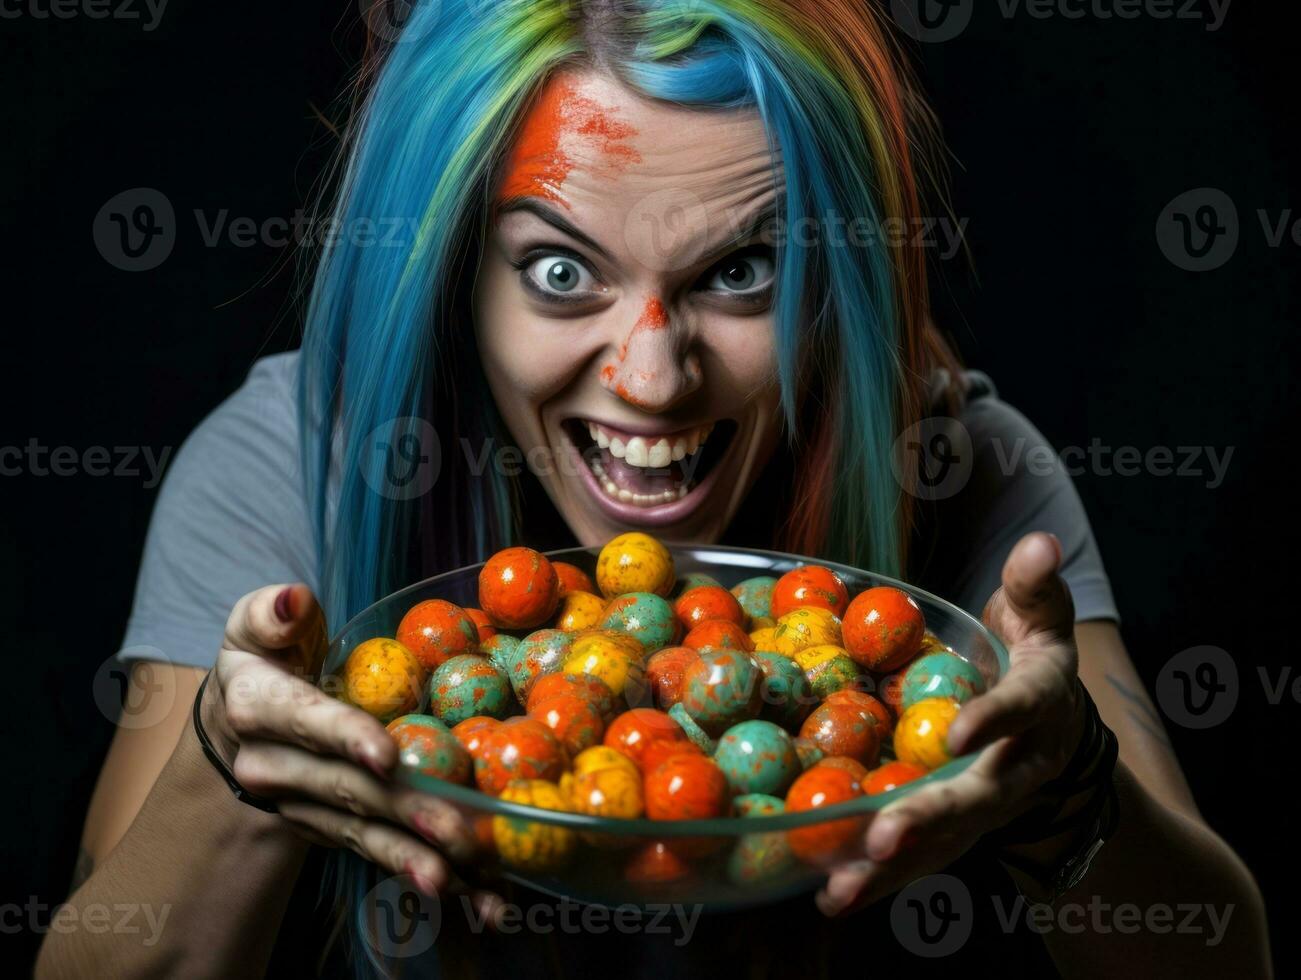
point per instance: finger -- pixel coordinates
(275, 769)
(1033, 591)
(1035, 689)
(844, 886)
(274, 619)
(264, 702)
(389, 847)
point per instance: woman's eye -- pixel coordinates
(559, 275)
(743, 274)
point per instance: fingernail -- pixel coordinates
(371, 759)
(424, 884)
(1057, 546)
(284, 605)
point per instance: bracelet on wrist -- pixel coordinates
(218, 763)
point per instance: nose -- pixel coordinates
(654, 368)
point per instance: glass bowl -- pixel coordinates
(719, 864)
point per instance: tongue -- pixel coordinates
(636, 479)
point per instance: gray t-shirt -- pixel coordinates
(232, 517)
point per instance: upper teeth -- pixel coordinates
(653, 453)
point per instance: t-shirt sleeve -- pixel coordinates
(1016, 485)
(230, 518)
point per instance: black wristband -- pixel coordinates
(218, 763)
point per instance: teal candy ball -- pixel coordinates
(759, 857)
(755, 595)
(941, 675)
(722, 688)
(785, 693)
(644, 615)
(758, 757)
(541, 652)
(468, 685)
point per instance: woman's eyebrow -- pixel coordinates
(742, 231)
(533, 206)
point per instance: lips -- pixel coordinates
(648, 475)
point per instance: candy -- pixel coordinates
(699, 737)
(602, 757)
(634, 562)
(659, 750)
(541, 652)
(426, 746)
(755, 596)
(891, 775)
(759, 857)
(941, 675)
(471, 732)
(518, 588)
(757, 757)
(873, 706)
(579, 611)
(785, 691)
(840, 728)
(722, 688)
(920, 737)
(482, 623)
(686, 787)
(932, 644)
(643, 615)
(809, 586)
(466, 686)
(501, 650)
(611, 657)
(518, 748)
(816, 788)
(633, 731)
(656, 864)
(805, 627)
(718, 634)
(851, 766)
(708, 602)
(571, 578)
(664, 672)
(435, 631)
(383, 678)
(694, 580)
(765, 639)
(588, 688)
(883, 629)
(532, 845)
(573, 719)
(828, 669)
(810, 755)
(609, 792)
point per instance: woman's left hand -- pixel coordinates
(1028, 726)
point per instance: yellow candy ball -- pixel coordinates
(764, 639)
(609, 792)
(383, 678)
(579, 611)
(615, 658)
(634, 562)
(919, 736)
(529, 844)
(807, 626)
(599, 757)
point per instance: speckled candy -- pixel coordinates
(828, 669)
(941, 675)
(706, 602)
(755, 596)
(757, 757)
(721, 689)
(575, 721)
(699, 737)
(471, 732)
(436, 631)
(823, 786)
(804, 628)
(643, 615)
(718, 634)
(590, 689)
(571, 578)
(425, 745)
(759, 857)
(686, 787)
(883, 629)
(466, 686)
(785, 691)
(530, 844)
(843, 728)
(693, 580)
(664, 672)
(611, 657)
(635, 730)
(890, 776)
(809, 586)
(810, 755)
(518, 748)
(518, 588)
(383, 678)
(634, 562)
(541, 652)
(501, 650)
(921, 734)
(872, 705)
(579, 611)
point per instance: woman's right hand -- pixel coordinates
(326, 764)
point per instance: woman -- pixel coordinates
(650, 253)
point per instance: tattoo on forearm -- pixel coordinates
(1140, 710)
(85, 867)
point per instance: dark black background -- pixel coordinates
(1069, 137)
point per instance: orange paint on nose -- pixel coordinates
(539, 164)
(654, 317)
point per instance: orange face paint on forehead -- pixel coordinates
(558, 122)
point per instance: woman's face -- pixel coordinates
(623, 308)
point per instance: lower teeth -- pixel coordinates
(628, 497)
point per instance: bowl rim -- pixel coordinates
(714, 826)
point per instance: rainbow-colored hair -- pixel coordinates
(389, 335)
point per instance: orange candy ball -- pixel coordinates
(436, 631)
(809, 585)
(572, 578)
(891, 775)
(841, 728)
(851, 766)
(664, 673)
(872, 706)
(471, 732)
(635, 730)
(656, 863)
(686, 786)
(518, 588)
(706, 602)
(882, 629)
(480, 619)
(518, 748)
(585, 686)
(718, 634)
(818, 787)
(575, 721)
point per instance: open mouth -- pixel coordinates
(648, 470)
